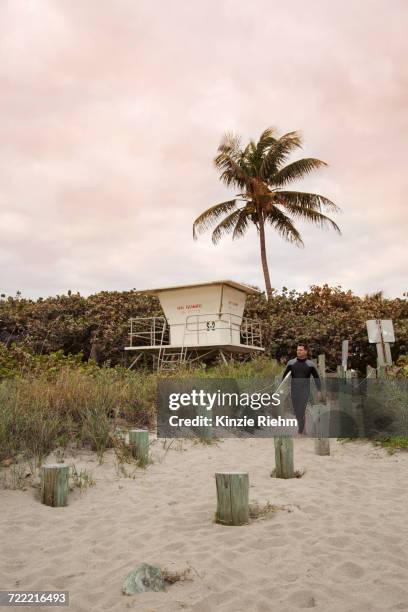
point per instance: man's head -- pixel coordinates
(301, 351)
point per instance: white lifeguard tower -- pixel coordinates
(199, 321)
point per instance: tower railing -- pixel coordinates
(148, 331)
(250, 330)
(155, 331)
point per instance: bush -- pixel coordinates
(39, 414)
(98, 324)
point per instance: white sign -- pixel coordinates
(344, 353)
(380, 331)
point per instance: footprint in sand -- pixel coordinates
(302, 599)
(338, 541)
(348, 569)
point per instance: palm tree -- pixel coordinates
(258, 171)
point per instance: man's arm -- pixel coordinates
(288, 369)
(316, 377)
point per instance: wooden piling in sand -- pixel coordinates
(54, 484)
(205, 432)
(232, 498)
(322, 442)
(284, 444)
(139, 442)
(284, 465)
(322, 446)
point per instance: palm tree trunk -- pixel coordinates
(263, 256)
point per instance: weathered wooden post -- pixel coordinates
(371, 375)
(322, 442)
(322, 446)
(232, 498)
(54, 484)
(382, 371)
(348, 424)
(342, 394)
(344, 354)
(370, 388)
(321, 366)
(381, 333)
(205, 431)
(284, 464)
(139, 442)
(341, 372)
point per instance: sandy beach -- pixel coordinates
(338, 543)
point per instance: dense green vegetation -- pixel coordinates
(62, 401)
(73, 324)
(51, 395)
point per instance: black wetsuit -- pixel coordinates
(301, 370)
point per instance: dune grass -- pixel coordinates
(40, 414)
(42, 411)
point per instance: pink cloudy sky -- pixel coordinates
(112, 111)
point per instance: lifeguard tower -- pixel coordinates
(199, 322)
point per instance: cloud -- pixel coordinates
(112, 114)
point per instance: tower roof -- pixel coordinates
(240, 286)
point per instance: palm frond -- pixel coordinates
(313, 216)
(278, 152)
(294, 171)
(313, 201)
(230, 144)
(231, 160)
(226, 226)
(267, 138)
(209, 217)
(242, 223)
(284, 226)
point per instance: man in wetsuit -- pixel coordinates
(301, 369)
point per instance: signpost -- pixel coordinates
(344, 354)
(381, 333)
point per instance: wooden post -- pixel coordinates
(284, 444)
(221, 353)
(321, 368)
(345, 401)
(322, 424)
(321, 365)
(322, 446)
(383, 354)
(344, 354)
(205, 433)
(232, 498)
(341, 372)
(54, 484)
(322, 442)
(284, 467)
(139, 441)
(370, 388)
(382, 371)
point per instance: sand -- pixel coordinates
(340, 544)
